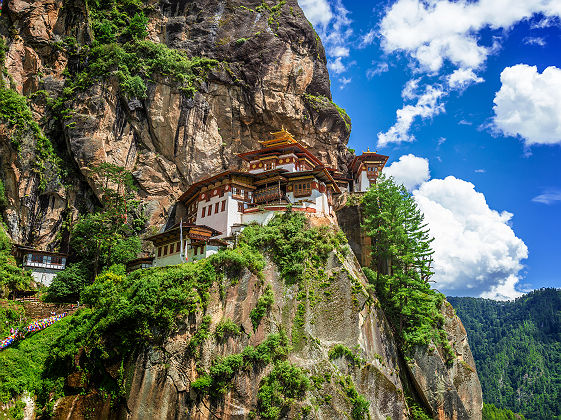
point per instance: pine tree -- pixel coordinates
(401, 262)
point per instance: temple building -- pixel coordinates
(365, 169)
(282, 173)
(198, 243)
(44, 265)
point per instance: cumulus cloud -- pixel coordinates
(432, 32)
(409, 170)
(435, 32)
(528, 104)
(548, 197)
(317, 11)
(428, 105)
(476, 252)
(344, 82)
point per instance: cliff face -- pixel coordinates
(271, 72)
(338, 312)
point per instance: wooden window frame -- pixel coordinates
(223, 205)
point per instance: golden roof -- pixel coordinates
(280, 138)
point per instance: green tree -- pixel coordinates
(68, 284)
(401, 262)
(109, 236)
(12, 278)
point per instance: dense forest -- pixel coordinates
(517, 349)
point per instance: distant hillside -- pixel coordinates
(517, 350)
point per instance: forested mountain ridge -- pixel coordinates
(517, 350)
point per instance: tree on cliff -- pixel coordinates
(106, 237)
(401, 262)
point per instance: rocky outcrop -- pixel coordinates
(271, 67)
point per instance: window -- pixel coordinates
(165, 250)
(223, 205)
(204, 210)
(56, 260)
(171, 248)
(240, 207)
(209, 211)
(36, 258)
(178, 247)
(216, 207)
(269, 166)
(302, 189)
(159, 251)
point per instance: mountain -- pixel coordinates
(517, 350)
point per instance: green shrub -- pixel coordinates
(359, 404)
(226, 328)
(262, 306)
(342, 351)
(277, 391)
(68, 284)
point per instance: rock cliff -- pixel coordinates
(270, 72)
(320, 316)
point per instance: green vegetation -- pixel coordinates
(294, 247)
(12, 278)
(22, 366)
(321, 102)
(104, 238)
(262, 306)
(517, 350)
(12, 315)
(490, 412)
(280, 388)
(226, 328)
(218, 379)
(342, 351)
(121, 50)
(401, 265)
(359, 404)
(3, 200)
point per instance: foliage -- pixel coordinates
(293, 245)
(359, 404)
(218, 379)
(23, 364)
(517, 350)
(226, 328)
(69, 283)
(279, 388)
(340, 350)
(108, 236)
(401, 264)
(12, 278)
(490, 412)
(15, 112)
(3, 200)
(12, 315)
(262, 306)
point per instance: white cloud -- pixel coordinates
(480, 171)
(409, 170)
(368, 38)
(317, 11)
(378, 68)
(428, 105)
(476, 252)
(336, 66)
(548, 197)
(339, 51)
(462, 78)
(534, 40)
(344, 82)
(435, 31)
(528, 104)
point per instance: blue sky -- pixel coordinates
(465, 98)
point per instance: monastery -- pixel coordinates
(281, 173)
